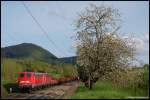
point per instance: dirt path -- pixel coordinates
(62, 91)
(71, 90)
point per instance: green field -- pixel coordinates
(11, 67)
(106, 90)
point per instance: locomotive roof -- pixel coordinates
(33, 72)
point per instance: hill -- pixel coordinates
(34, 52)
(28, 51)
(69, 60)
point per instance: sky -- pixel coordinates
(57, 18)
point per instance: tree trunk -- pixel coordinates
(89, 83)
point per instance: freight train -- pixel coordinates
(36, 80)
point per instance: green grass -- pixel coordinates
(105, 90)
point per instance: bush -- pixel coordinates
(133, 78)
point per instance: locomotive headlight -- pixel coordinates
(21, 81)
(27, 81)
(24, 81)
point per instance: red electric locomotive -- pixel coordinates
(33, 80)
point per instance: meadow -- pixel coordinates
(107, 90)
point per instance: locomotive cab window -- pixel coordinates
(21, 75)
(28, 75)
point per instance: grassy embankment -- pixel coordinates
(106, 90)
(10, 68)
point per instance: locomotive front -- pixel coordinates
(25, 80)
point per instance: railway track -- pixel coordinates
(54, 92)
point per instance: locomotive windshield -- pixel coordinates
(22, 75)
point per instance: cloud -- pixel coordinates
(142, 46)
(141, 43)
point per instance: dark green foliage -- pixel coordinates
(82, 73)
(69, 60)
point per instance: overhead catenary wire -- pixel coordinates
(45, 33)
